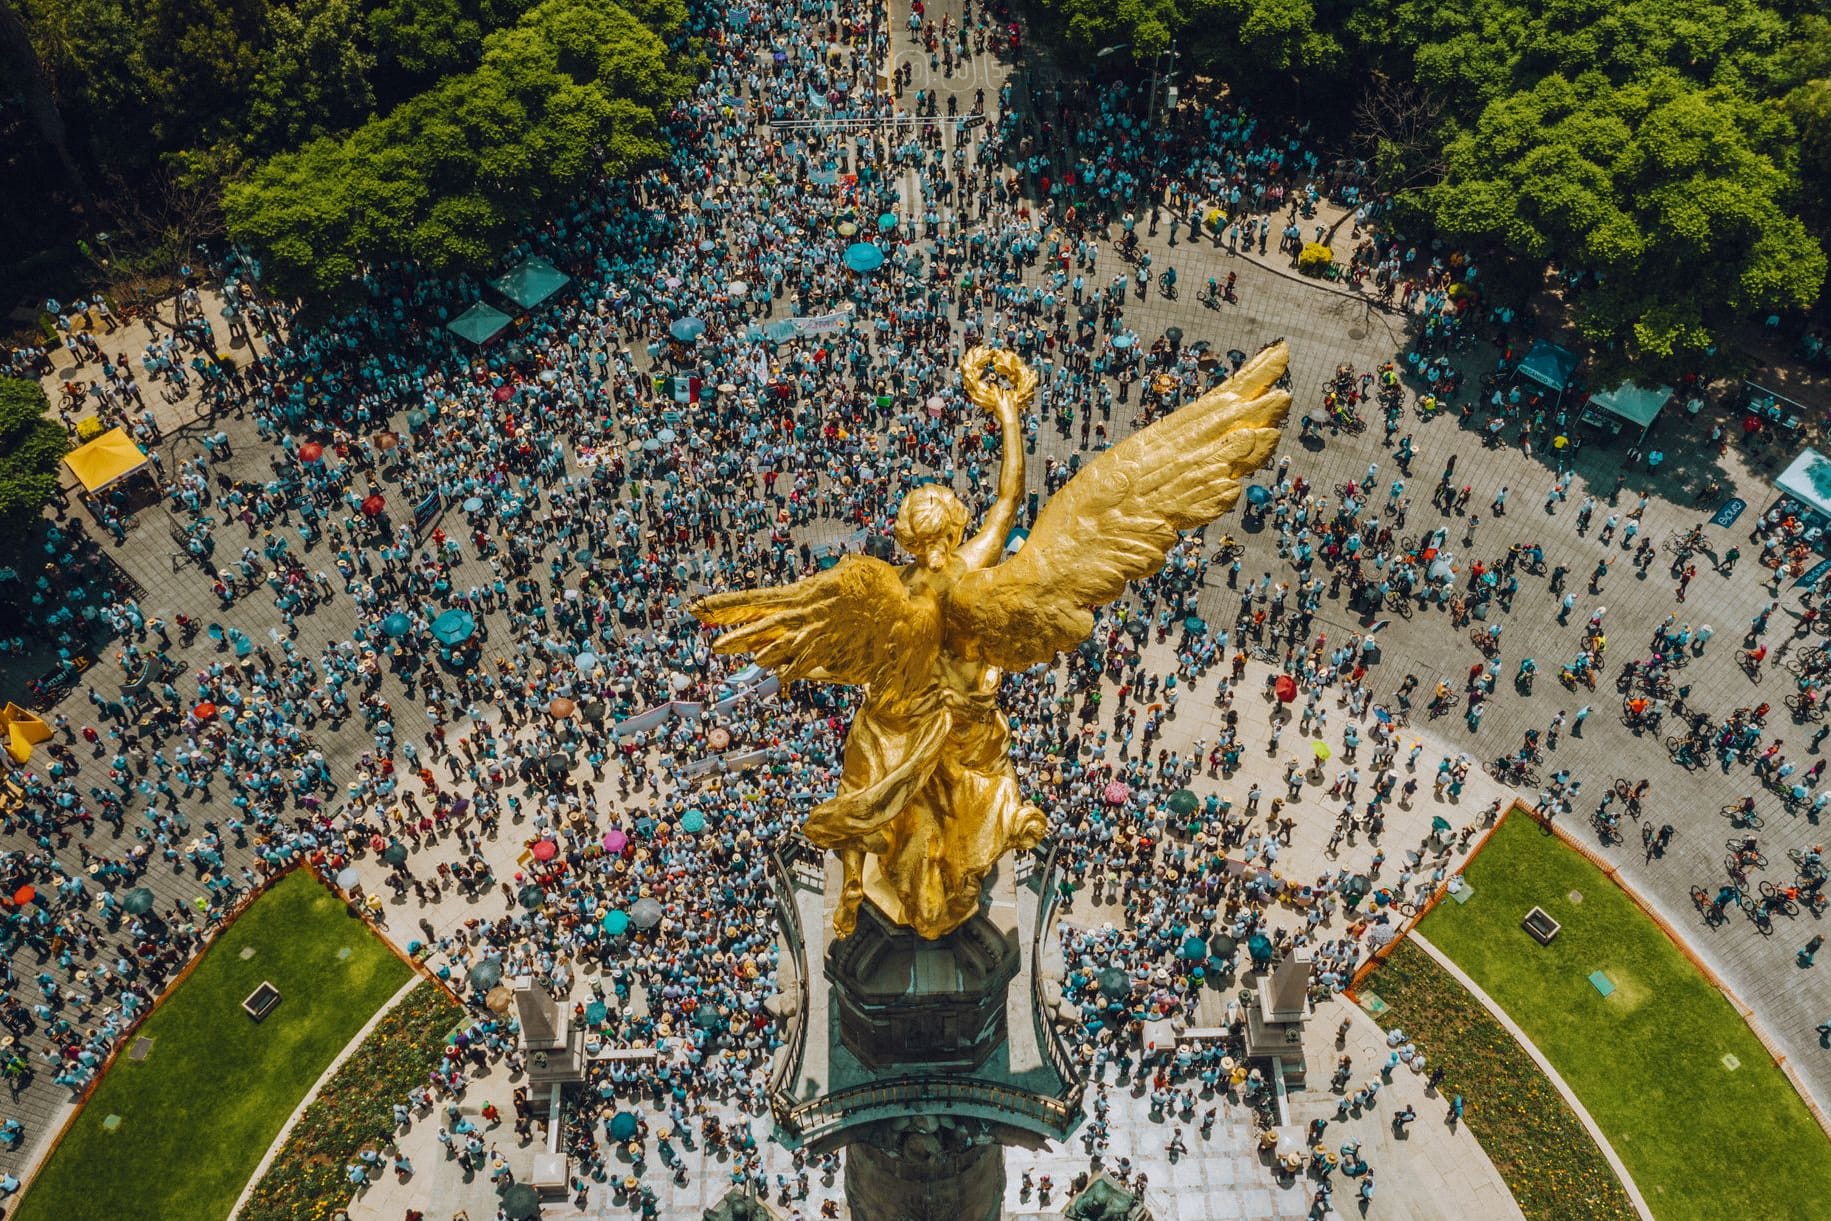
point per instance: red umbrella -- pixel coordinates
(504, 393)
(372, 505)
(1286, 687)
(205, 711)
(545, 849)
(24, 895)
(311, 451)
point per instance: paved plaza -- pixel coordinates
(1433, 1171)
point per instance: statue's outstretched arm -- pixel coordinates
(1007, 404)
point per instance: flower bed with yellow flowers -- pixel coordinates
(309, 1176)
(1536, 1141)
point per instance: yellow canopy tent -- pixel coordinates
(22, 730)
(108, 459)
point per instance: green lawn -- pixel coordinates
(1703, 1141)
(198, 1113)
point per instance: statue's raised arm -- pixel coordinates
(1117, 520)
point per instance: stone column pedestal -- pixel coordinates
(927, 1168)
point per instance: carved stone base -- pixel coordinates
(926, 1168)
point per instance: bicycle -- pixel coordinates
(1686, 753)
(1440, 705)
(1512, 771)
(1805, 709)
(1743, 817)
(1259, 652)
(1488, 644)
(1399, 603)
(1708, 907)
(1807, 865)
(1166, 285)
(1748, 856)
(1782, 899)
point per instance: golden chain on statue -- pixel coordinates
(928, 800)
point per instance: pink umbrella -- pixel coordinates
(545, 850)
(615, 841)
(1116, 793)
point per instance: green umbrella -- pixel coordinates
(521, 1202)
(1182, 801)
(532, 896)
(395, 854)
(1115, 983)
(138, 901)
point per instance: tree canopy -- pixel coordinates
(575, 89)
(1675, 154)
(31, 446)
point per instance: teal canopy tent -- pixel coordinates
(479, 324)
(531, 283)
(1549, 365)
(1627, 405)
(1808, 481)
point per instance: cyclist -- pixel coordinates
(1168, 279)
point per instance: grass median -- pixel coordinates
(1705, 1122)
(193, 1119)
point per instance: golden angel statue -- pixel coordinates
(928, 799)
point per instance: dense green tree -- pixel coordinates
(1809, 106)
(573, 90)
(31, 446)
(1673, 196)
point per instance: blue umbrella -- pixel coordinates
(596, 1012)
(863, 257)
(686, 329)
(1194, 949)
(1122, 340)
(472, 504)
(622, 1125)
(395, 626)
(616, 922)
(454, 627)
(886, 221)
(1258, 496)
(693, 822)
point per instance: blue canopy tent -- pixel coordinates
(479, 324)
(1549, 365)
(531, 283)
(1627, 405)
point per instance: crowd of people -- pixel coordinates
(602, 465)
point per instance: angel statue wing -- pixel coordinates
(854, 624)
(1117, 520)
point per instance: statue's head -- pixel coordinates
(930, 524)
